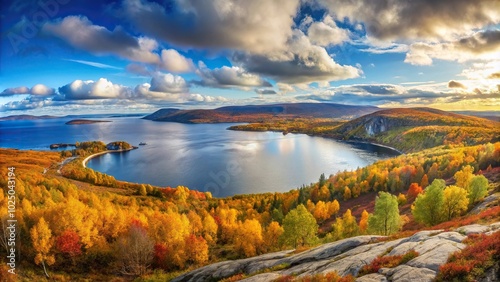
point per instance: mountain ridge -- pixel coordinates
(255, 113)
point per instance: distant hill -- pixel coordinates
(26, 117)
(414, 129)
(492, 115)
(85, 121)
(256, 113)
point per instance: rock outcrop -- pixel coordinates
(348, 256)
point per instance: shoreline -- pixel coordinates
(371, 143)
(328, 137)
(84, 161)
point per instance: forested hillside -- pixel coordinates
(77, 228)
(408, 130)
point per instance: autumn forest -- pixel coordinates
(76, 222)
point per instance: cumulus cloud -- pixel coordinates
(480, 70)
(15, 91)
(395, 95)
(42, 90)
(228, 77)
(37, 90)
(495, 75)
(89, 89)
(257, 26)
(265, 91)
(145, 91)
(164, 90)
(327, 33)
(81, 33)
(482, 45)
(302, 62)
(168, 83)
(172, 61)
(25, 104)
(417, 19)
(285, 88)
(456, 84)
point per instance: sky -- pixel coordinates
(135, 56)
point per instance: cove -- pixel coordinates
(207, 157)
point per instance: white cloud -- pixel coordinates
(89, 89)
(327, 33)
(168, 83)
(93, 64)
(81, 33)
(483, 45)
(15, 91)
(285, 88)
(302, 62)
(172, 61)
(395, 20)
(228, 77)
(389, 95)
(37, 90)
(42, 90)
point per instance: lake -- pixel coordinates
(205, 157)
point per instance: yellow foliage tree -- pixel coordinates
(363, 222)
(228, 223)
(455, 202)
(195, 223)
(349, 224)
(321, 212)
(196, 249)
(333, 207)
(347, 193)
(248, 237)
(271, 236)
(41, 238)
(464, 176)
(209, 229)
(77, 216)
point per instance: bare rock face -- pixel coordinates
(348, 256)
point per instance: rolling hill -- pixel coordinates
(413, 129)
(257, 113)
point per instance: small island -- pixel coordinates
(85, 121)
(61, 145)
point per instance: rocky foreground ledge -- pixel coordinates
(348, 256)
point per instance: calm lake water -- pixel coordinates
(205, 157)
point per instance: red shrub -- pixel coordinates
(481, 253)
(160, 252)
(387, 261)
(69, 243)
(413, 191)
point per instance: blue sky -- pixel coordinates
(74, 56)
